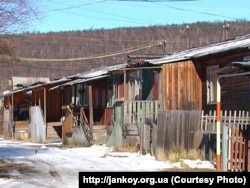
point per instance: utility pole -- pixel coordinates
(188, 36)
(163, 44)
(225, 31)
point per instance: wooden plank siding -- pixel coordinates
(53, 102)
(176, 129)
(181, 86)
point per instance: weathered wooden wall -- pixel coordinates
(116, 136)
(181, 86)
(176, 130)
(53, 104)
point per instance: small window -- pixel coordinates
(85, 95)
(82, 94)
(212, 83)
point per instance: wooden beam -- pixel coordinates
(125, 84)
(67, 124)
(90, 109)
(44, 103)
(12, 115)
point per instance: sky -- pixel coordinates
(55, 166)
(71, 15)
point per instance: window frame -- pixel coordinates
(211, 83)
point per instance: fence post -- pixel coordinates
(224, 147)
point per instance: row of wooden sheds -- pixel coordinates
(185, 80)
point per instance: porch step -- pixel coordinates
(21, 130)
(54, 132)
(22, 135)
(99, 134)
(21, 125)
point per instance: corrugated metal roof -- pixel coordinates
(33, 86)
(92, 75)
(144, 56)
(239, 42)
(99, 71)
(81, 77)
(140, 59)
(11, 92)
(77, 81)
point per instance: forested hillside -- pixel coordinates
(59, 54)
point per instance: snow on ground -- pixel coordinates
(56, 166)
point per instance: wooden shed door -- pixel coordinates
(155, 85)
(150, 85)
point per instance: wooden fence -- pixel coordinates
(135, 112)
(176, 130)
(128, 120)
(179, 129)
(235, 128)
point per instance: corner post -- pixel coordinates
(218, 126)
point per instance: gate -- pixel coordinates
(239, 148)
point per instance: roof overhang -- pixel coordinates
(77, 81)
(235, 68)
(242, 43)
(33, 86)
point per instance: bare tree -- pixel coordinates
(15, 15)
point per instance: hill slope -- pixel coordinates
(59, 54)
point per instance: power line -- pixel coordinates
(75, 6)
(80, 6)
(193, 11)
(157, 2)
(88, 58)
(77, 38)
